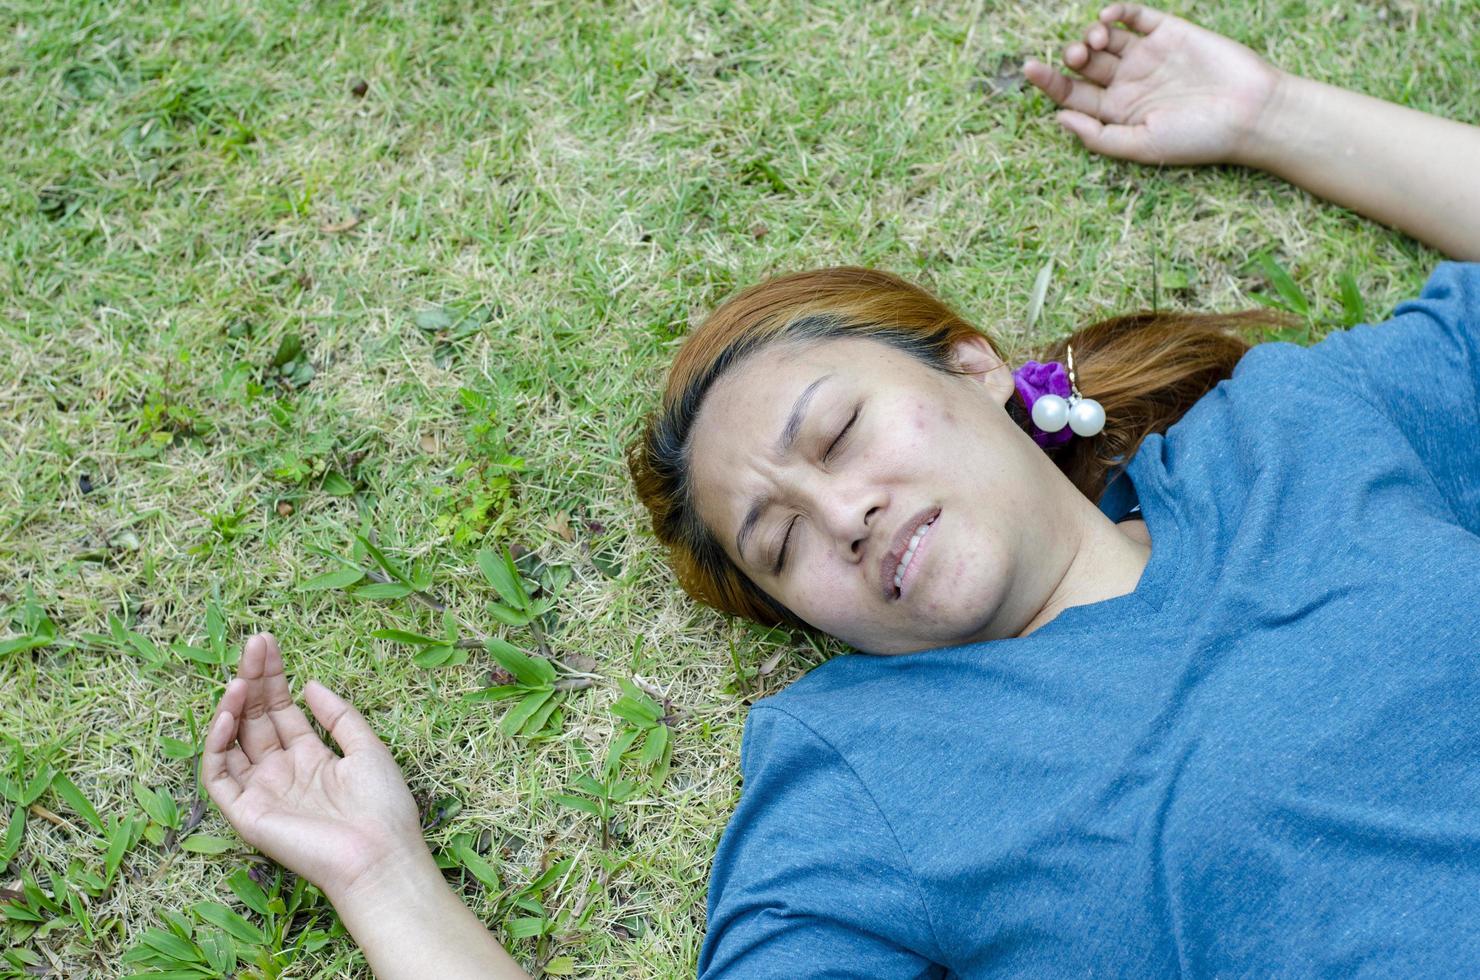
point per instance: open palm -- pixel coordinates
(332, 819)
(1165, 91)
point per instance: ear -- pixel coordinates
(976, 356)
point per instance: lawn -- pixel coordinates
(308, 312)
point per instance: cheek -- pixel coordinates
(822, 591)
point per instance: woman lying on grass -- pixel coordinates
(1223, 722)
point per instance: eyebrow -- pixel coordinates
(784, 445)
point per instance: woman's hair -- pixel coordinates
(1146, 369)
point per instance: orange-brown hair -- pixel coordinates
(1146, 369)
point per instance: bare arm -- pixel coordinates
(347, 823)
(1407, 169)
(1167, 91)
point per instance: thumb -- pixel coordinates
(1125, 142)
(345, 725)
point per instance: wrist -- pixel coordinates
(404, 874)
(1280, 125)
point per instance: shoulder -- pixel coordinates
(809, 861)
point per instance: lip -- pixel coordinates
(890, 562)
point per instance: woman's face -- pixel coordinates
(863, 463)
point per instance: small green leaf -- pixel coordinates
(389, 567)
(619, 748)
(635, 706)
(653, 746)
(206, 844)
(119, 841)
(507, 616)
(1294, 299)
(38, 785)
(578, 803)
(336, 485)
(145, 648)
(527, 670)
(494, 694)
(527, 927)
(216, 631)
(20, 913)
(552, 874)
(437, 656)
(477, 866)
(171, 945)
(560, 966)
(660, 770)
(174, 748)
(222, 917)
(288, 350)
(520, 593)
(514, 720)
(158, 805)
(339, 579)
(250, 893)
(383, 590)
(437, 318)
(503, 577)
(21, 644)
(540, 718)
(69, 792)
(1353, 310)
(196, 654)
(586, 784)
(219, 952)
(13, 835)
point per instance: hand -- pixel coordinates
(339, 822)
(1165, 91)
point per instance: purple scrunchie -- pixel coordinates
(1035, 380)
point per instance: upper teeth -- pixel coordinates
(909, 553)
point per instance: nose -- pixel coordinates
(850, 515)
(856, 547)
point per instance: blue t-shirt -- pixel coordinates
(1265, 760)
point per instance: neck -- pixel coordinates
(1106, 561)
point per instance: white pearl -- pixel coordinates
(1087, 417)
(1050, 413)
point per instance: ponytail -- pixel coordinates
(1147, 369)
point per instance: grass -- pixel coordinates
(279, 276)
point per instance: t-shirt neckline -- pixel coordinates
(1164, 525)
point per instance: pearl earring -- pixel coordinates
(1055, 402)
(1085, 416)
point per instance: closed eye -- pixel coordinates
(781, 556)
(841, 434)
(837, 440)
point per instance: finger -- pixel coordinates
(287, 718)
(1125, 142)
(237, 765)
(1101, 37)
(345, 725)
(1071, 93)
(1097, 66)
(1133, 15)
(256, 733)
(221, 782)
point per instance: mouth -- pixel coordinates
(899, 562)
